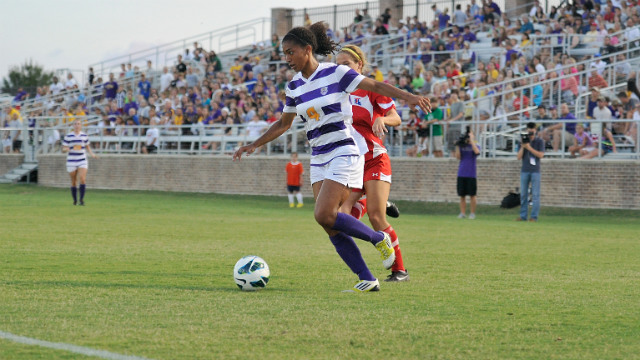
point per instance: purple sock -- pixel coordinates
(350, 254)
(74, 192)
(82, 187)
(356, 228)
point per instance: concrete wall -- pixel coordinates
(565, 183)
(9, 162)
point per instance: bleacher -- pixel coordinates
(397, 53)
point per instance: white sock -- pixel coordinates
(290, 198)
(299, 197)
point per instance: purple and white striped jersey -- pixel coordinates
(322, 101)
(77, 144)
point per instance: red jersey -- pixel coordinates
(294, 173)
(367, 106)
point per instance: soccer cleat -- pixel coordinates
(291, 205)
(398, 276)
(367, 285)
(472, 216)
(461, 216)
(81, 203)
(392, 210)
(75, 203)
(386, 251)
(300, 205)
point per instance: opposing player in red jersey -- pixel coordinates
(371, 114)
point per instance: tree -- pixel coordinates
(27, 76)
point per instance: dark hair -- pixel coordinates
(315, 36)
(531, 125)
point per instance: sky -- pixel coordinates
(72, 34)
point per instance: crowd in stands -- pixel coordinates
(199, 92)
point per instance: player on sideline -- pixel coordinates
(371, 114)
(294, 171)
(319, 94)
(76, 144)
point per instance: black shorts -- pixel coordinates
(151, 148)
(292, 188)
(17, 145)
(467, 186)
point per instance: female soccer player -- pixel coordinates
(319, 94)
(75, 144)
(371, 114)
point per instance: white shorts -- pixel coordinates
(346, 170)
(72, 168)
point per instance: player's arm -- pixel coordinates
(390, 118)
(393, 92)
(91, 153)
(278, 128)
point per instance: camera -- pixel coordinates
(464, 138)
(526, 137)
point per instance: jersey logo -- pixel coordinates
(356, 101)
(375, 174)
(324, 91)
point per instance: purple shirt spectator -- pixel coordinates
(110, 89)
(467, 167)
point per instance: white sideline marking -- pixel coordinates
(68, 347)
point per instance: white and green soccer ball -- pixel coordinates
(251, 273)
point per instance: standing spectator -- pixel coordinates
(433, 120)
(165, 79)
(443, 19)
(456, 113)
(467, 152)
(144, 87)
(385, 18)
(459, 17)
(294, 171)
(91, 76)
(181, 67)
(530, 152)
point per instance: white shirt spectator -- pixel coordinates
(71, 83)
(255, 128)
(152, 136)
(632, 33)
(165, 81)
(55, 88)
(599, 65)
(540, 69)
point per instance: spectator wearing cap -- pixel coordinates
(592, 35)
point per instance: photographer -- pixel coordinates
(531, 152)
(467, 151)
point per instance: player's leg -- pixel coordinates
(74, 182)
(353, 205)
(462, 194)
(82, 174)
(377, 195)
(344, 244)
(290, 196)
(299, 197)
(473, 188)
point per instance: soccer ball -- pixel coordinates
(251, 273)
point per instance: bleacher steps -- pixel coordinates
(18, 173)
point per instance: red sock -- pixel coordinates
(359, 209)
(398, 265)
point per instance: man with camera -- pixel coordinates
(531, 152)
(467, 151)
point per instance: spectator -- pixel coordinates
(165, 79)
(56, 86)
(622, 69)
(556, 131)
(71, 83)
(456, 113)
(596, 80)
(152, 138)
(144, 87)
(608, 145)
(181, 67)
(628, 105)
(582, 141)
(459, 17)
(467, 151)
(433, 120)
(592, 101)
(379, 28)
(530, 153)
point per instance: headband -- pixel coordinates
(355, 54)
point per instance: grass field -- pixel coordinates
(149, 274)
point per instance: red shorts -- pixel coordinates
(378, 168)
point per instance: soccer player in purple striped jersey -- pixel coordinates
(76, 145)
(319, 94)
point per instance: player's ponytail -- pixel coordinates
(315, 36)
(325, 45)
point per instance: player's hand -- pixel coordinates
(472, 137)
(249, 149)
(420, 101)
(378, 127)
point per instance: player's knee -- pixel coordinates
(324, 218)
(377, 219)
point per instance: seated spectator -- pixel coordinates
(597, 81)
(555, 132)
(582, 141)
(608, 145)
(622, 69)
(152, 138)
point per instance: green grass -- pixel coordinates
(150, 274)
